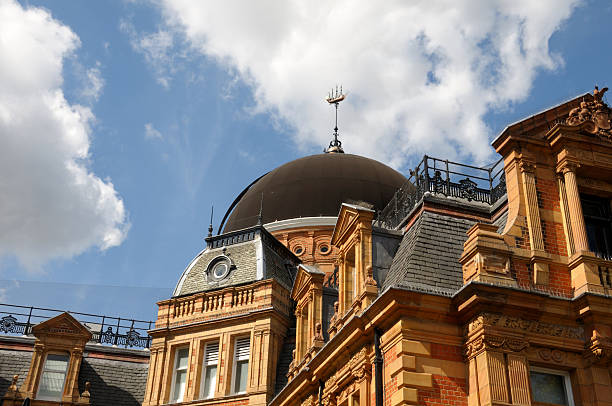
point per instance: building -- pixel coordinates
(338, 281)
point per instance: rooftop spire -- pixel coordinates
(210, 227)
(335, 97)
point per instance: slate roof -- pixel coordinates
(13, 362)
(255, 255)
(118, 383)
(428, 256)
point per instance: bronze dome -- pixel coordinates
(313, 186)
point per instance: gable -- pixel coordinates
(348, 218)
(304, 278)
(63, 324)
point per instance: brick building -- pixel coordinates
(335, 280)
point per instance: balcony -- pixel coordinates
(445, 178)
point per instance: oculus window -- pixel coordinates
(219, 268)
(53, 377)
(241, 364)
(551, 387)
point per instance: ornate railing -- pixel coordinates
(106, 330)
(446, 178)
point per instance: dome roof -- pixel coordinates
(314, 186)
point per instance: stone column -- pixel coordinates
(567, 226)
(29, 384)
(536, 240)
(298, 335)
(341, 283)
(581, 243)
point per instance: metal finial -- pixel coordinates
(260, 215)
(335, 97)
(210, 225)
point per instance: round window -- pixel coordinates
(298, 250)
(219, 268)
(324, 249)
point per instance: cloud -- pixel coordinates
(151, 132)
(94, 84)
(51, 204)
(157, 49)
(421, 75)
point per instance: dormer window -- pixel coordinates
(598, 221)
(53, 377)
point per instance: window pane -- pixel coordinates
(179, 386)
(240, 380)
(53, 376)
(182, 356)
(548, 388)
(210, 379)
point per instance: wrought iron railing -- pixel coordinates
(106, 330)
(446, 178)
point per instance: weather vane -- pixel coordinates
(335, 97)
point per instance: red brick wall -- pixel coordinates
(390, 384)
(446, 391)
(548, 194)
(446, 352)
(559, 282)
(554, 238)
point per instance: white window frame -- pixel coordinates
(235, 363)
(205, 365)
(566, 381)
(38, 396)
(175, 370)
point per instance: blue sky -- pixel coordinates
(152, 112)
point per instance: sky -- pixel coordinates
(123, 122)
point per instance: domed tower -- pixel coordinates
(300, 200)
(251, 306)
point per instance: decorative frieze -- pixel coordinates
(493, 342)
(526, 326)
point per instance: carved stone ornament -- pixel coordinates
(13, 386)
(491, 342)
(546, 354)
(599, 351)
(370, 277)
(529, 326)
(308, 401)
(595, 113)
(318, 333)
(86, 393)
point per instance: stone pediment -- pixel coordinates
(350, 215)
(306, 275)
(61, 325)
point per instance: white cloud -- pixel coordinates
(421, 75)
(94, 84)
(151, 132)
(157, 49)
(51, 204)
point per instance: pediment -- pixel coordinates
(348, 217)
(306, 275)
(63, 324)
